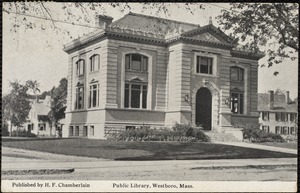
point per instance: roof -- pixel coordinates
(280, 104)
(152, 24)
(40, 108)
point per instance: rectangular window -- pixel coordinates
(292, 130)
(76, 131)
(283, 117)
(71, 131)
(292, 117)
(85, 131)
(237, 103)
(265, 116)
(91, 130)
(278, 116)
(79, 98)
(135, 96)
(42, 126)
(285, 130)
(136, 62)
(266, 129)
(277, 130)
(204, 65)
(236, 74)
(94, 96)
(94, 63)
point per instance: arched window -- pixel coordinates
(136, 62)
(80, 67)
(236, 74)
(94, 62)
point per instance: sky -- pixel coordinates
(38, 54)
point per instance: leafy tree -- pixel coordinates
(15, 105)
(58, 102)
(271, 25)
(34, 87)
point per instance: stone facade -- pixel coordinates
(169, 85)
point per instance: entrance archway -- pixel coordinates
(203, 108)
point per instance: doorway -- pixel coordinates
(203, 108)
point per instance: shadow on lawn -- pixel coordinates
(201, 151)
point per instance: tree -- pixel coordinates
(34, 87)
(271, 25)
(15, 105)
(58, 102)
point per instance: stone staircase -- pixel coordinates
(221, 137)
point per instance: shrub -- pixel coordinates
(22, 133)
(258, 136)
(180, 132)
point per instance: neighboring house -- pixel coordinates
(38, 121)
(143, 70)
(278, 113)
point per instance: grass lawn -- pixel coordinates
(140, 150)
(292, 145)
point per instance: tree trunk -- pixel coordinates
(10, 132)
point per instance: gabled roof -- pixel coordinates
(152, 24)
(280, 104)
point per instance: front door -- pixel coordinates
(203, 108)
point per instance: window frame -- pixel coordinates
(80, 66)
(144, 62)
(44, 126)
(77, 97)
(91, 95)
(265, 116)
(210, 68)
(240, 108)
(92, 63)
(142, 104)
(240, 74)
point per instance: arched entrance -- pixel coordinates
(203, 108)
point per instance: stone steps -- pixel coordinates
(221, 137)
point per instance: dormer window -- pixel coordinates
(237, 74)
(80, 67)
(136, 62)
(94, 62)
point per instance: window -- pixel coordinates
(284, 130)
(237, 103)
(76, 130)
(80, 67)
(85, 131)
(266, 129)
(292, 117)
(94, 96)
(91, 130)
(79, 98)
(292, 130)
(136, 62)
(277, 130)
(135, 95)
(237, 74)
(71, 131)
(281, 117)
(204, 65)
(95, 62)
(42, 126)
(265, 116)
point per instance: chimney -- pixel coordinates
(287, 97)
(102, 21)
(271, 98)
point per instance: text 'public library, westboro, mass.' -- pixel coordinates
(144, 70)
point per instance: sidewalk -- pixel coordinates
(263, 147)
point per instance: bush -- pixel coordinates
(180, 132)
(22, 133)
(258, 136)
(4, 130)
